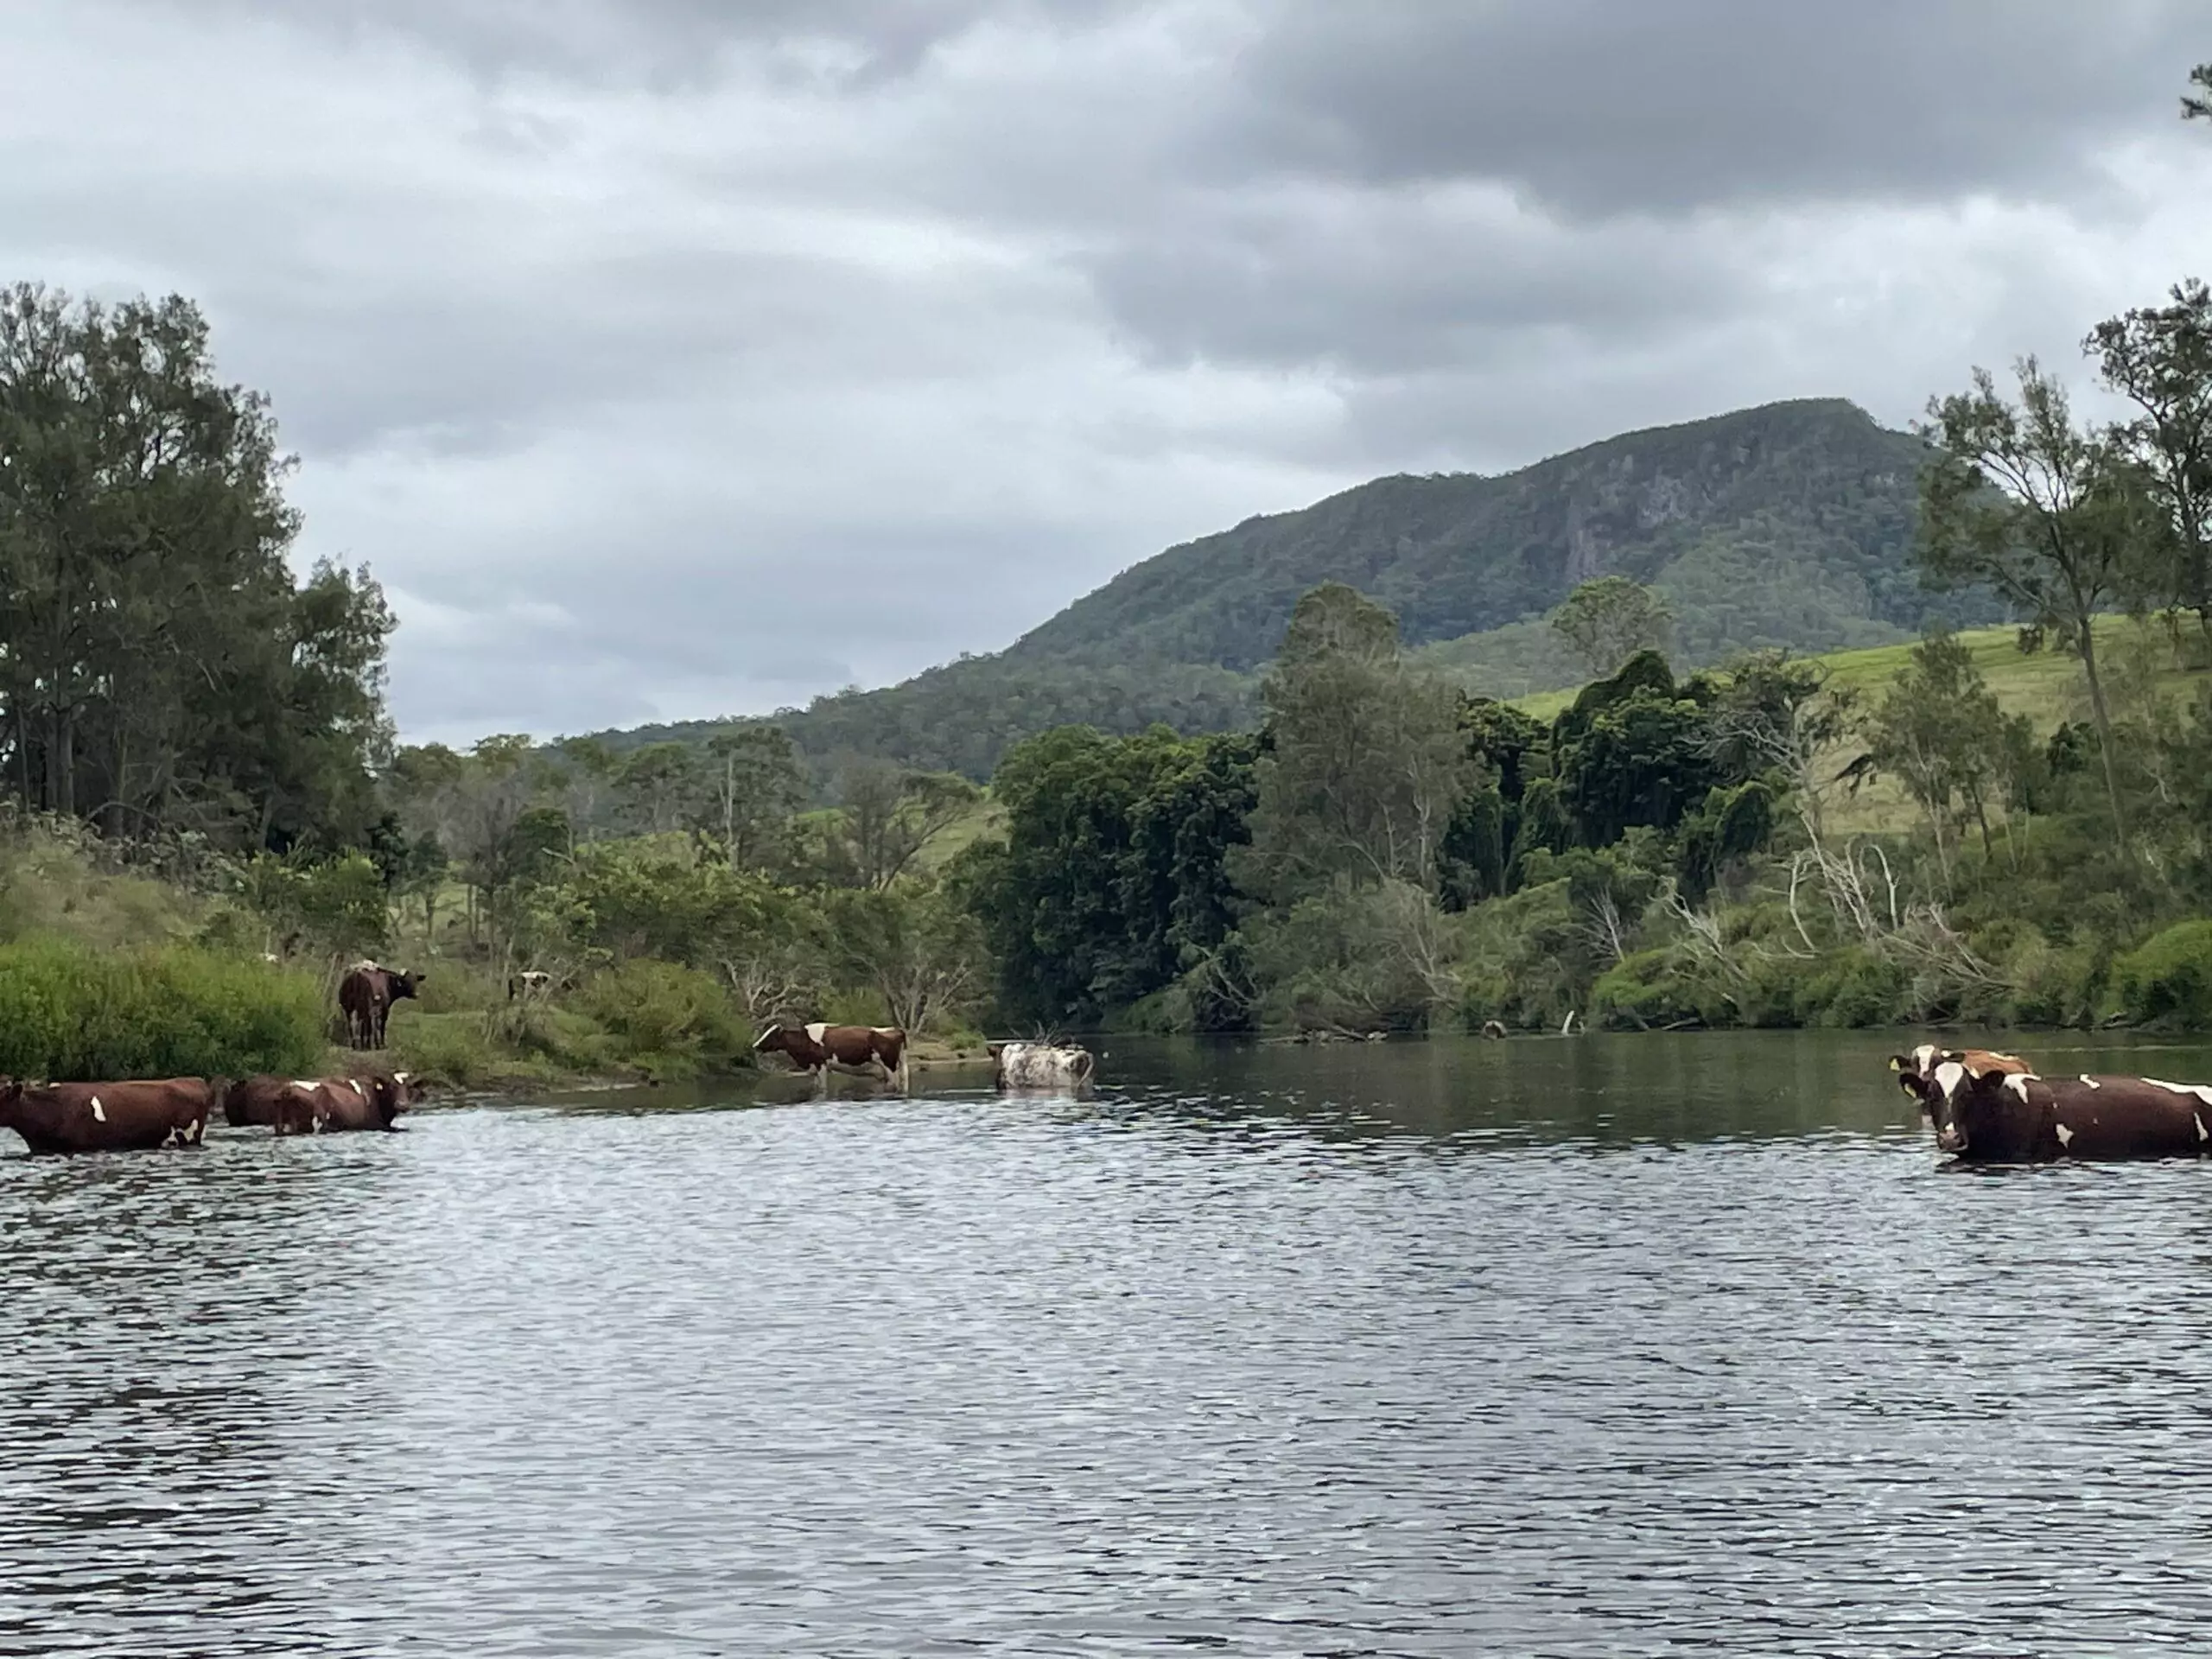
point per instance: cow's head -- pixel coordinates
(405, 984)
(11, 1091)
(775, 1029)
(1948, 1088)
(1969, 1094)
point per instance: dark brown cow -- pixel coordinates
(817, 1047)
(1917, 1071)
(2020, 1118)
(366, 996)
(308, 1105)
(129, 1116)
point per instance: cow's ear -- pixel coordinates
(1896, 1062)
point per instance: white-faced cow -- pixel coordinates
(1917, 1071)
(366, 996)
(2017, 1117)
(130, 1117)
(1041, 1065)
(819, 1047)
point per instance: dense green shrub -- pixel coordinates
(1855, 986)
(68, 1011)
(2053, 985)
(1645, 991)
(667, 1020)
(2169, 976)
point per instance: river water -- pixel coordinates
(1608, 1345)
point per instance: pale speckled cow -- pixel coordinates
(1041, 1065)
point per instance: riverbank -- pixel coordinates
(454, 1054)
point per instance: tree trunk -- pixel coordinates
(62, 763)
(2103, 717)
(23, 744)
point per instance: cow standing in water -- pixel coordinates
(317, 1105)
(1041, 1065)
(818, 1047)
(2016, 1117)
(366, 996)
(132, 1116)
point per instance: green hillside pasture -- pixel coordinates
(2139, 660)
(980, 820)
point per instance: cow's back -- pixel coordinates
(362, 991)
(356, 1103)
(2117, 1117)
(126, 1115)
(256, 1103)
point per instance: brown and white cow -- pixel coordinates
(136, 1115)
(1917, 1071)
(1041, 1065)
(314, 1105)
(819, 1047)
(2020, 1118)
(372, 1103)
(366, 996)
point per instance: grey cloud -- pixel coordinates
(680, 616)
(1598, 107)
(671, 359)
(667, 43)
(1395, 282)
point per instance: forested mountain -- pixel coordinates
(1806, 488)
(1789, 524)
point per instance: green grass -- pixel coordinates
(980, 820)
(71, 1008)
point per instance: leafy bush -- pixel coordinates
(68, 1011)
(2053, 985)
(2169, 976)
(1854, 986)
(668, 1021)
(337, 906)
(1644, 991)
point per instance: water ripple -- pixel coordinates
(1276, 1355)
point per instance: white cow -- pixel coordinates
(1040, 1066)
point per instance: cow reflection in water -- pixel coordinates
(1983, 1115)
(819, 1048)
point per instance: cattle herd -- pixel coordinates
(871, 1051)
(1984, 1106)
(140, 1115)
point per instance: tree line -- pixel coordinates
(161, 669)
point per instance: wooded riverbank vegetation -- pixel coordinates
(206, 812)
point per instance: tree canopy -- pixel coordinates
(161, 666)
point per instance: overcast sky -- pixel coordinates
(674, 357)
